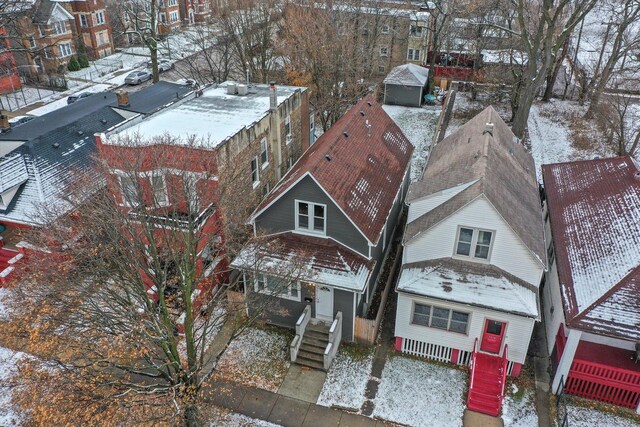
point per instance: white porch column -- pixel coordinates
(567, 358)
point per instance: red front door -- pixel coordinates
(492, 336)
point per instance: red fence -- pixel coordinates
(456, 73)
(604, 383)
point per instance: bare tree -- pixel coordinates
(126, 293)
(620, 116)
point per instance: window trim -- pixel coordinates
(287, 133)
(384, 51)
(382, 29)
(256, 181)
(158, 203)
(100, 20)
(265, 291)
(67, 45)
(60, 25)
(264, 151)
(473, 243)
(310, 230)
(449, 318)
(123, 192)
(411, 54)
(84, 22)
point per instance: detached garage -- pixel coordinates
(406, 85)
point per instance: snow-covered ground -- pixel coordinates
(419, 126)
(232, 419)
(257, 358)
(9, 416)
(216, 320)
(346, 380)
(519, 409)
(24, 97)
(589, 417)
(419, 393)
(62, 102)
(5, 294)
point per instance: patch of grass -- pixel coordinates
(356, 351)
(604, 407)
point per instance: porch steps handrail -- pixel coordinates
(471, 363)
(505, 363)
(335, 336)
(301, 326)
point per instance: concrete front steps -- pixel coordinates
(314, 342)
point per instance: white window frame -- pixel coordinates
(32, 42)
(384, 51)
(255, 181)
(264, 152)
(474, 242)
(41, 31)
(60, 27)
(173, 2)
(163, 18)
(84, 22)
(411, 54)
(99, 18)
(287, 129)
(265, 290)
(417, 33)
(173, 16)
(123, 191)
(430, 320)
(384, 29)
(163, 200)
(64, 50)
(311, 219)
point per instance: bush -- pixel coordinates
(73, 65)
(83, 60)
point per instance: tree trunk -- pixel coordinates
(521, 115)
(552, 77)
(192, 416)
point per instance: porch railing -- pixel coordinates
(472, 362)
(301, 326)
(604, 383)
(505, 363)
(335, 336)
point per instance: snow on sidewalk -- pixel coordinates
(346, 380)
(591, 417)
(519, 409)
(9, 415)
(419, 393)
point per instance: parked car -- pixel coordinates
(188, 82)
(137, 77)
(18, 120)
(73, 98)
(163, 64)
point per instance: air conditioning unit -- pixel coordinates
(243, 90)
(231, 88)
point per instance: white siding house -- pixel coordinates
(474, 252)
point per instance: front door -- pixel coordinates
(324, 302)
(492, 336)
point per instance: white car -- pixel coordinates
(137, 77)
(18, 120)
(163, 65)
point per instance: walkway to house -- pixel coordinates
(541, 369)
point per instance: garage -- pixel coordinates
(406, 85)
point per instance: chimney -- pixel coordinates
(4, 122)
(123, 98)
(273, 97)
(488, 128)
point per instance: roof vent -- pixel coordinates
(636, 176)
(362, 112)
(56, 145)
(103, 121)
(328, 157)
(488, 128)
(369, 103)
(346, 134)
(80, 133)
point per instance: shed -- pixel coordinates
(405, 85)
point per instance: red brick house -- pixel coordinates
(591, 297)
(9, 78)
(93, 27)
(193, 11)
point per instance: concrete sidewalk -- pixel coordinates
(283, 410)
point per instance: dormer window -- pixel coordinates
(311, 217)
(474, 243)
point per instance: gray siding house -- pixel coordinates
(406, 85)
(323, 231)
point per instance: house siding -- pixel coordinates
(280, 217)
(343, 301)
(409, 96)
(517, 334)
(278, 311)
(419, 207)
(508, 251)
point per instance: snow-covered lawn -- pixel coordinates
(9, 416)
(347, 378)
(216, 320)
(419, 393)
(24, 97)
(257, 358)
(5, 294)
(519, 409)
(419, 126)
(591, 417)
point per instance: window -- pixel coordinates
(287, 129)
(159, 188)
(41, 31)
(64, 50)
(129, 189)
(32, 42)
(416, 31)
(413, 54)
(381, 69)
(264, 153)
(83, 21)
(385, 29)
(173, 16)
(474, 243)
(255, 174)
(310, 217)
(102, 39)
(173, 2)
(99, 18)
(551, 255)
(59, 27)
(441, 318)
(47, 53)
(384, 51)
(265, 190)
(272, 285)
(163, 18)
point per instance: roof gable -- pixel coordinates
(361, 163)
(594, 211)
(504, 173)
(407, 75)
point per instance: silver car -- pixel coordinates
(137, 77)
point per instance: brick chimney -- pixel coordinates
(123, 98)
(273, 97)
(4, 122)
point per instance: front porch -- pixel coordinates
(597, 371)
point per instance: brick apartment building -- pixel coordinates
(9, 78)
(93, 26)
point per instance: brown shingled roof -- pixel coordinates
(594, 211)
(503, 171)
(360, 162)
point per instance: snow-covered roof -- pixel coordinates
(594, 210)
(208, 120)
(313, 259)
(407, 75)
(476, 284)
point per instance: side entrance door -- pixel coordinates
(324, 302)
(492, 336)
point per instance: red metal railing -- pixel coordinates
(604, 383)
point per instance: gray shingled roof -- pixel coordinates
(504, 173)
(13, 171)
(407, 75)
